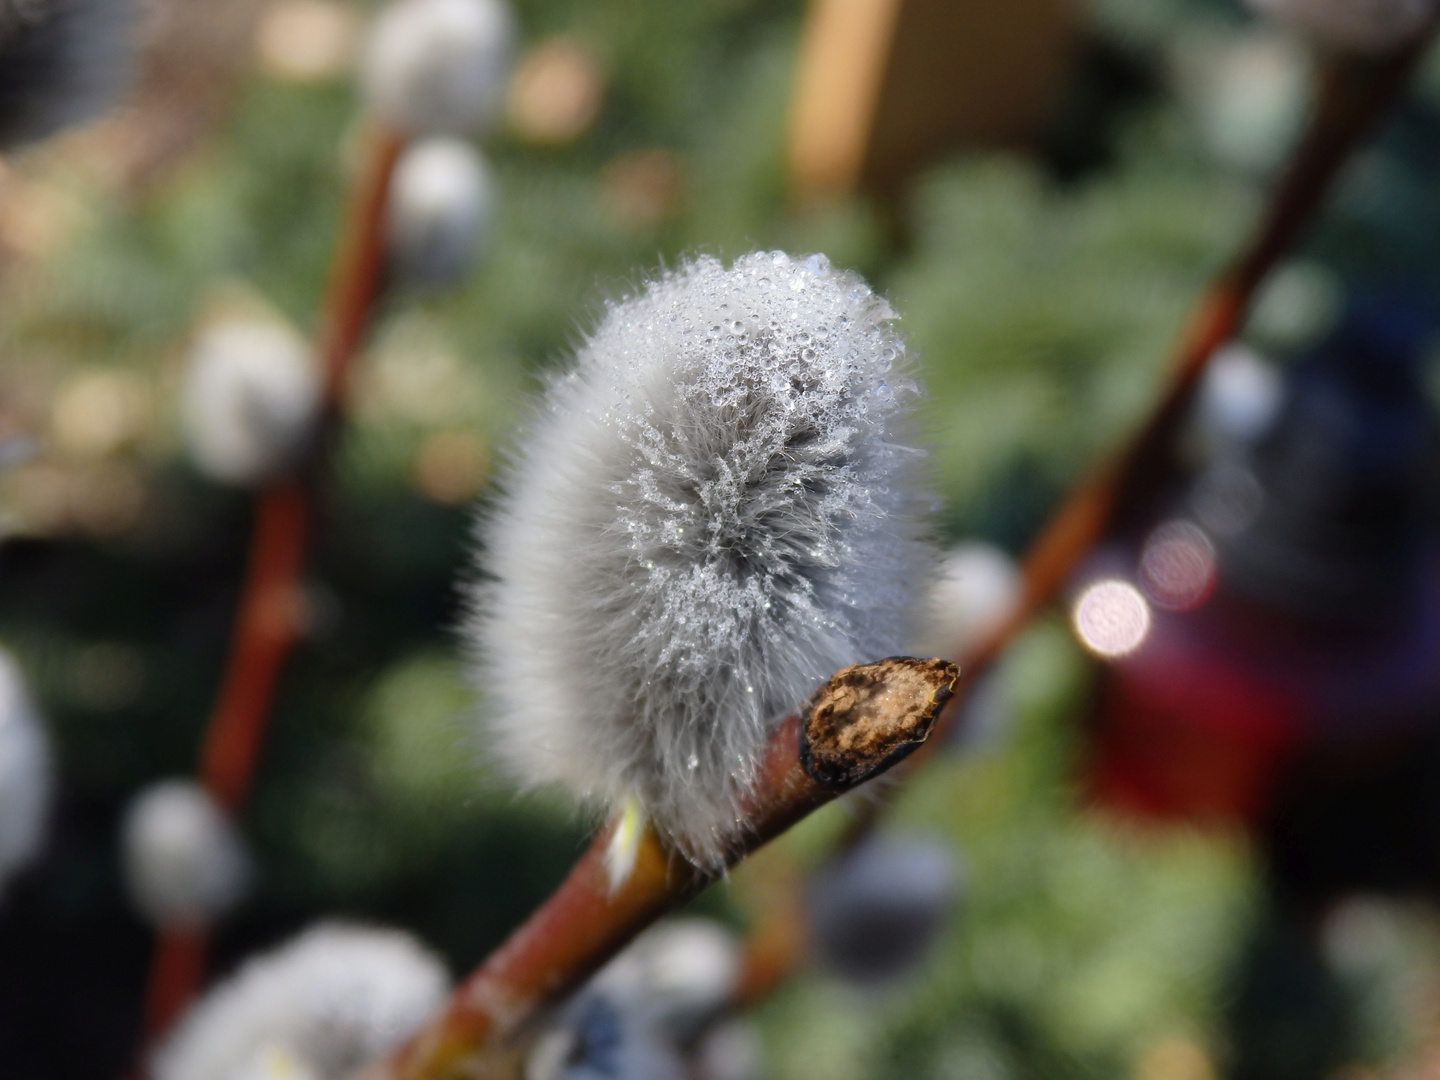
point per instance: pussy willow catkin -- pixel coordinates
(715, 508)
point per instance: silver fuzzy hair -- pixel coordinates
(326, 1002)
(442, 201)
(708, 515)
(184, 860)
(440, 66)
(61, 62)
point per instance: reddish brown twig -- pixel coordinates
(1354, 92)
(357, 272)
(267, 620)
(176, 968)
(775, 943)
(265, 628)
(862, 721)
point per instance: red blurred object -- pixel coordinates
(1187, 736)
(1294, 598)
(1203, 720)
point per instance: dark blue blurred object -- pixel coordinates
(1344, 475)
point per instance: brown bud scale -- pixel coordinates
(869, 716)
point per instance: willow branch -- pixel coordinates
(265, 628)
(772, 892)
(864, 720)
(358, 268)
(266, 622)
(1354, 93)
(177, 968)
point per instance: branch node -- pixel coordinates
(869, 716)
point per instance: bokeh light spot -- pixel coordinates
(1111, 618)
(1177, 566)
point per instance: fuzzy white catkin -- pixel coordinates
(708, 515)
(977, 589)
(600, 1037)
(731, 1050)
(184, 861)
(876, 910)
(657, 996)
(322, 1004)
(1239, 396)
(678, 974)
(440, 66)
(25, 765)
(249, 399)
(61, 62)
(1365, 26)
(441, 201)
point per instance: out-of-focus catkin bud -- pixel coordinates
(646, 1009)
(600, 1037)
(1239, 396)
(272, 1062)
(61, 62)
(1363, 26)
(441, 203)
(250, 399)
(729, 1050)
(679, 975)
(710, 513)
(24, 772)
(977, 589)
(440, 66)
(317, 1007)
(184, 862)
(878, 908)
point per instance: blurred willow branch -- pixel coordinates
(268, 616)
(1354, 92)
(864, 720)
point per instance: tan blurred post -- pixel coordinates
(837, 90)
(885, 86)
